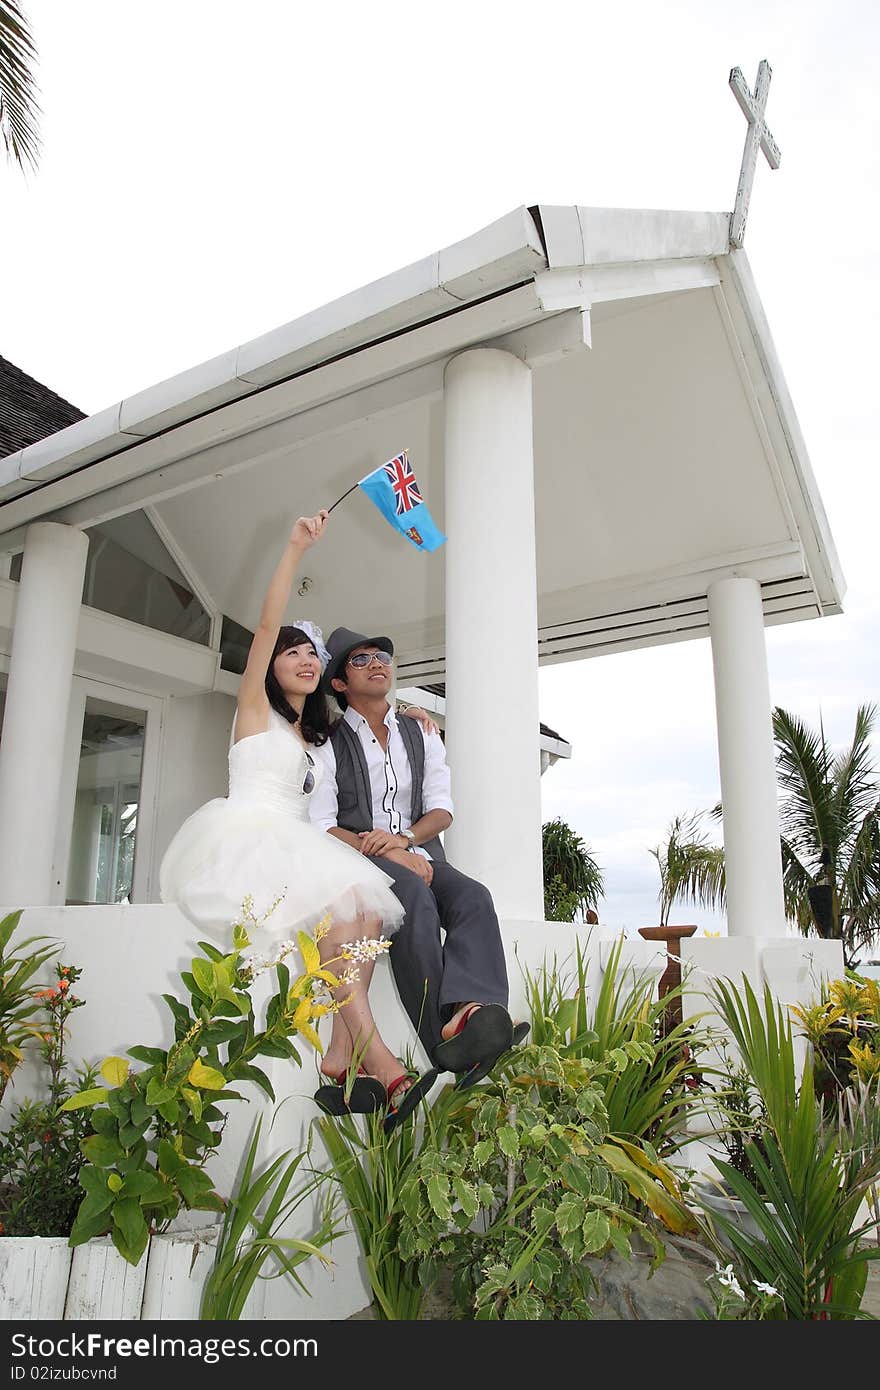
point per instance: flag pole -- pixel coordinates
(343, 497)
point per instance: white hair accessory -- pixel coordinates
(316, 637)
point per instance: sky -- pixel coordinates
(211, 171)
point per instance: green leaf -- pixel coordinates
(576, 1175)
(411, 1201)
(152, 1055)
(114, 1182)
(130, 1230)
(438, 1196)
(158, 1092)
(483, 1152)
(170, 1161)
(169, 1110)
(134, 1158)
(596, 1231)
(569, 1213)
(508, 1139)
(92, 1219)
(102, 1151)
(147, 1187)
(466, 1197)
(96, 1096)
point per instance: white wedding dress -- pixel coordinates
(257, 841)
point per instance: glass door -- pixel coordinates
(109, 795)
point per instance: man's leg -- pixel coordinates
(474, 968)
(416, 953)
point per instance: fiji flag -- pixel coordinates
(394, 490)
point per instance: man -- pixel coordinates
(386, 792)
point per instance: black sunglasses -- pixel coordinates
(309, 781)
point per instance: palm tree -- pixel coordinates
(690, 868)
(573, 881)
(830, 821)
(19, 111)
(829, 814)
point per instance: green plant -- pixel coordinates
(739, 1114)
(20, 1006)
(370, 1169)
(573, 881)
(517, 1181)
(155, 1129)
(843, 1030)
(40, 1155)
(690, 867)
(757, 1302)
(812, 1174)
(255, 1214)
(648, 1072)
(830, 819)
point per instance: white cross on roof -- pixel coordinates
(757, 136)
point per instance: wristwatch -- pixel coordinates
(408, 835)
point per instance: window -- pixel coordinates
(105, 815)
(131, 574)
(235, 643)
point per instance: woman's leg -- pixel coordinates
(354, 1027)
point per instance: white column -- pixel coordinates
(492, 722)
(40, 671)
(746, 757)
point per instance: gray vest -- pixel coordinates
(354, 798)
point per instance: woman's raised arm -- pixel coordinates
(252, 689)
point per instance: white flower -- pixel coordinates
(728, 1279)
(368, 948)
(766, 1288)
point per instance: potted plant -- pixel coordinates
(812, 1174)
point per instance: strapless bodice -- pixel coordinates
(270, 769)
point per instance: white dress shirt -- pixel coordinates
(390, 778)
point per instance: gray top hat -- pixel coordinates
(341, 643)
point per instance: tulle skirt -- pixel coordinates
(230, 854)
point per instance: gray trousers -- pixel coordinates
(432, 976)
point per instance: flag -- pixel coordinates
(394, 490)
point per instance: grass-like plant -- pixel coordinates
(370, 1169)
(255, 1214)
(811, 1174)
(650, 1073)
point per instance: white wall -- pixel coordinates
(194, 762)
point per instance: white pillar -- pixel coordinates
(492, 724)
(746, 757)
(37, 696)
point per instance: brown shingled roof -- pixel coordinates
(29, 410)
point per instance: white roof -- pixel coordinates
(666, 455)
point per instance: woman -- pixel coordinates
(254, 852)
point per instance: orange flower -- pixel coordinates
(63, 985)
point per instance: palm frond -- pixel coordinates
(808, 814)
(852, 776)
(19, 109)
(690, 868)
